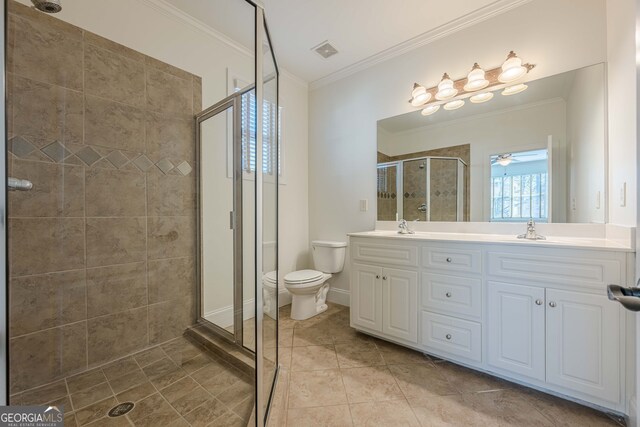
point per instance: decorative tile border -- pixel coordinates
(89, 156)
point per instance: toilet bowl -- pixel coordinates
(309, 288)
(269, 292)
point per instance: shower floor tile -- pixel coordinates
(169, 385)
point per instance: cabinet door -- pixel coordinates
(516, 335)
(583, 343)
(400, 304)
(366, 296)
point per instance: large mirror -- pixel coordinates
(535, 154)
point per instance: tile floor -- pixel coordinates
(176, 384)
(334, 376)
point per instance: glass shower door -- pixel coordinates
(221, 220)
(414, 183)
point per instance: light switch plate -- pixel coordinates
(364, 205)
(623, 195)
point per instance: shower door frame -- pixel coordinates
(4, 292)
(233, 101)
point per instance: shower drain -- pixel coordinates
(121, 409)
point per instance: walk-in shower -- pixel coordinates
(422, 189)
(146, 147)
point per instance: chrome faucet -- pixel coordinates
(404, 227)
(531, 233)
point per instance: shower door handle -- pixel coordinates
(422, 207)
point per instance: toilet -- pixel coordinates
(309, 288)
(269, 293)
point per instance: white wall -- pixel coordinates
(147, 28)
(585, 135)
(621, 56)
(557, 36)
(508, 131)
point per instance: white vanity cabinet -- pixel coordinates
(384, 290)
(537, 314)
(387, 301)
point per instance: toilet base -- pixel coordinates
(306, 306)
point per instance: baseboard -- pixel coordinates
(338, 296)
(223, 317)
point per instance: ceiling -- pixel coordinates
(358, 29)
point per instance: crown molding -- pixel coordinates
(494, 9)
(170, 11)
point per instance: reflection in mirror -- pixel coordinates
(520, 186)
(559, 121)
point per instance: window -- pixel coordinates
(520, 186)
(519, 197)
(271, 135)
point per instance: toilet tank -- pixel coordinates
(328, 256)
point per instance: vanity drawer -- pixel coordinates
(404, 255)
(461, 296)
(575, 269)
(450, 335)
(451, 259)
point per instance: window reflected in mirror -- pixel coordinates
(520, 186)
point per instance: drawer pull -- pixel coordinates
(384, 277)
(377, 276)
(538, 302)
(449, 259)
(448, 294)
(552, 304)
(448, 336)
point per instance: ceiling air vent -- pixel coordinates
(325, 49)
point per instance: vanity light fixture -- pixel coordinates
(419, 95)
(475, 79)
(446, 89)
(430, 110)
(512, 69)
(479, 86)
(481, 97)
(512, 90)
(453, 105)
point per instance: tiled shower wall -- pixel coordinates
(443, 181)
(102, 249)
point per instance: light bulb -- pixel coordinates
(446, 89)
(430, 110)
(504, 161)
(419, 95)
(481, 97)
(453, 105)
(512, 90)
(475, 79)
(512, 69)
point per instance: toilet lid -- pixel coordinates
(303, 276)
(270, 277)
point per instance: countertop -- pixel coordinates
(550, 242)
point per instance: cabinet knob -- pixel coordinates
(448, 294)
(538, 302)
(377, 276)
(448, 336)
(552, 304)
(384, 277)
(449, 259)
